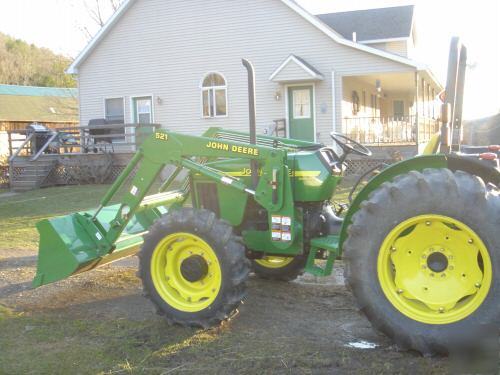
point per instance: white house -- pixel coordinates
(178, 63)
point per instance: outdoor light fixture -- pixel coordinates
(159, 100)
(378, 85)
(277, 95)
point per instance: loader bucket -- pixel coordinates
(66, 248)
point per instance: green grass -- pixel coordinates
(20, 212)
(61, 342)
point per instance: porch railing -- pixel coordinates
(81, 139)
(390, 130)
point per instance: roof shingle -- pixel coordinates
(372, 24)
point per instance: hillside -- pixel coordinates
(484, 131)
(25, 64)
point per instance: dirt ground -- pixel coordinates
(98, 322)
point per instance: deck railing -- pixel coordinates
(390, 130)
(80, 140)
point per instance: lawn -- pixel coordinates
(20, 212)
(99, 323)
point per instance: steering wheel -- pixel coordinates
(349, 145)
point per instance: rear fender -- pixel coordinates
(453, 162)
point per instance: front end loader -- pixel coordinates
(419, 241)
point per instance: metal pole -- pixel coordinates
(451, 94)
(457, 115)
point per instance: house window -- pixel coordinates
(433, 104)
(398, 110)
(114, 110)
(374, 105)
(114, 113)
(301, 104)
(143, 110)
(214, 96)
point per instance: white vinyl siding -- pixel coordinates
(398, 47)
(186, 39)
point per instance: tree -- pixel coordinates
(22, 63)
(99, 12)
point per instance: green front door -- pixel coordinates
(301, 112)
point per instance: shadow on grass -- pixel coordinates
(11, 289)
(17, 262)
(62, 343)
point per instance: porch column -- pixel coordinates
(334, 103)
(416, 106)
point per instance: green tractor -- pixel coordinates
(419, 241)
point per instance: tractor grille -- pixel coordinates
(207, 197)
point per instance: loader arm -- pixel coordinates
(82, 241)
(165, 148)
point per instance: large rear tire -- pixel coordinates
(423, 259)
(193, 268)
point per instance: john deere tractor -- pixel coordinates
(419, 241)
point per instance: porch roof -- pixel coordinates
(398, 82)
(295, 69)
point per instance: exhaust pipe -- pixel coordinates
(451, 130)
(252, 114)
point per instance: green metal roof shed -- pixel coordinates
(27, 104)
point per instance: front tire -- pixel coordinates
(193, 268)
(423, 259)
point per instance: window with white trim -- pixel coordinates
(114, 113)
(214, 96)
(114, 110)
(143, 110)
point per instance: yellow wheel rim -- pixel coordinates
(274, 261)
(434, 269)
(186, 272)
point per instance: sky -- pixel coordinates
(60, 24)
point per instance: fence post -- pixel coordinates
(9, 135)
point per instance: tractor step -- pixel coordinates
(329, 244)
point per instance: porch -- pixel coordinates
(390, 108)
(74, 155)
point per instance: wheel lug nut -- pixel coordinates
(443, 275)
(441, 310)
(477, 285)
(424, 256)
(451, 268)
(400, 291)
(470, 240)
(432, 275)
(393, 249)
(427, 223)
(424, 267)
